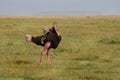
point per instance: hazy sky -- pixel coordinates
(59, 7)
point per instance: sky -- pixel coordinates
(59, 7)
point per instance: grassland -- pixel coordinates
(90, 49)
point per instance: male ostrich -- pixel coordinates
(50, 39)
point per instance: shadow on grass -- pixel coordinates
(21, 62)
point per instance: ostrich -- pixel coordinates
(50, 39)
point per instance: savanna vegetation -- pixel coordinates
(89, 50)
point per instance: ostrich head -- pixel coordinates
(28, 38)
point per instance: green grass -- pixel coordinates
(90, 49)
